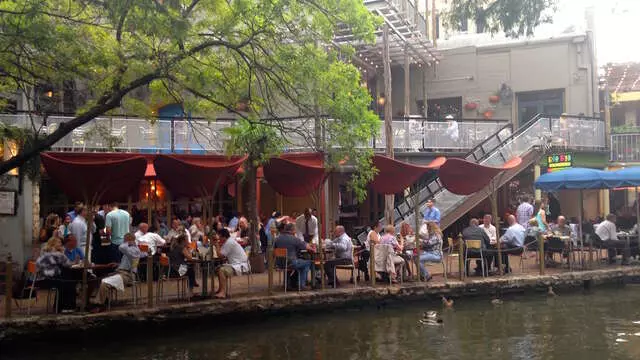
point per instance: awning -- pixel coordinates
(394, 176)
(96, 178)
(629, 177)
(462, 177)
(578, 179)
(295, 175)
(196, 175)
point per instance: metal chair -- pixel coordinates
(181, 281)
(280, 254)
(474, 245)
(247, 272)
(351, 267)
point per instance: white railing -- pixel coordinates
(625, 147)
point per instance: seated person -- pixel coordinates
(153, 240)
(197, 231)
(287, 240)
(179, 255)
(389, 238)
(242, 235)
(561, 228)
(343, 248)
(125, 273)
(533, 231)
(606, 231)
(513, 238)
(53, 265)
(71, 250)
(430, 247)
(475, 232)
(236, 261)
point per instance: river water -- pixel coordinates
(604, 324)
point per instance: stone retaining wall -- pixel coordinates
(50, 327)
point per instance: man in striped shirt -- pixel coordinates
(524, 212)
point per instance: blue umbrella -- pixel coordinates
(577, 179)
(629, 177)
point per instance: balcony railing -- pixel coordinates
(201, 136)
(625, 147)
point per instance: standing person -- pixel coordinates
(75, 211)
(432, 213)
(307, 227)
(554, 207)
(117, 225)
(541, 216)
(99, 254)
(233, 223)
(79, 229)
(430, 247)
(452, 129)
(236, 261)
(512, 239)
(293, 245)
(524, 212)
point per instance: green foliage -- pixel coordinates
(515, 17)
(276, 56)
(259, 141)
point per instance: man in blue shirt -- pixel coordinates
(432, 213)
(76, 210)
(117, 224)
(71, 250)
(513, 238)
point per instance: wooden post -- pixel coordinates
(270, 265)
(388, 118)
(87, 262)
(8, 287)
(494, 212)
(150, 279)
(541, 252)
(461, 258)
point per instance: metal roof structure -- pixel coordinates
(621, 78)
(408, 34)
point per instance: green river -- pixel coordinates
(604, 324)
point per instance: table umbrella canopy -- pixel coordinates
(95, 178)
(295, 175)
(196, 175)
(394, 176)
(628, 177)
(577, 179)
(462, 177)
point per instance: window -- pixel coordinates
(548, 102)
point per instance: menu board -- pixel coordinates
(7, 202)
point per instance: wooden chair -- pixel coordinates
(165, 276)
(351, 267)
(474, 245)
(450, 254)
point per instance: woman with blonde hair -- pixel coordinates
(407, 242)
(431, 247)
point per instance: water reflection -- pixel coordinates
(572, 327)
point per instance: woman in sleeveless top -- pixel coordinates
(541, 216)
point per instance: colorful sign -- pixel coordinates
(557, 162)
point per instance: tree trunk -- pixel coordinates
(256, 260)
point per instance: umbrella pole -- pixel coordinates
(416, 233)
(87, 246)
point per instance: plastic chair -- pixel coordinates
(181, 281)
(351, 267)
(474, 245)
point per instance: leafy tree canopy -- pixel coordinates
(209, 55)
(515, 17)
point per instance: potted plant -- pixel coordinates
(494, 99)
(470, 106)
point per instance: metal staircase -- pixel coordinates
(540, 132)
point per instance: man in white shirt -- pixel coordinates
(79, 228)
(606, 231)
(343, 248)
(489, 229)
(236, 261)
(153, 240)
(452, 128)
(307, 227)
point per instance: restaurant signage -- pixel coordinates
(560, 161)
